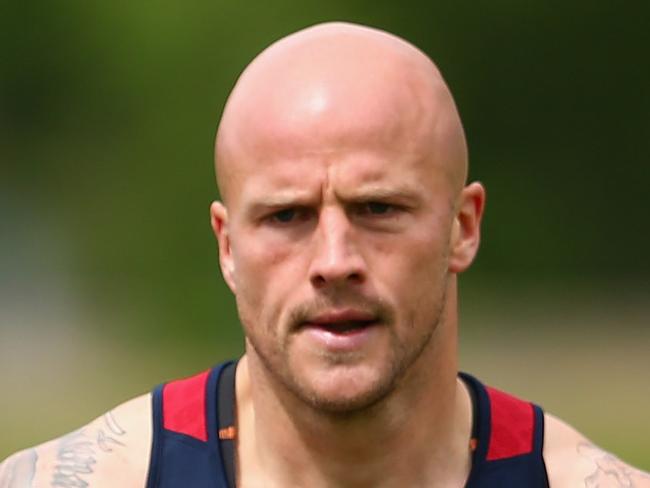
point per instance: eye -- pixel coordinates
(284, 216)
(379, 208)
(289, 215)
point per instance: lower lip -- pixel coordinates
(349, 340)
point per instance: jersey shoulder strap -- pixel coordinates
(184, 406)
(509, 432)
(186, 450)
(512, 423)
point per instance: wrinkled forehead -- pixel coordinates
(331, 93)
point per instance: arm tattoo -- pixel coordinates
(610, 471)
(112, 424)
(20, 471)
(106, 441)
(77, 454)
(75, 457)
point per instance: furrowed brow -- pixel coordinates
(403, 195)
(262, 204)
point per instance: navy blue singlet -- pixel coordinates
(194, 432)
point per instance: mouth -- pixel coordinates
(342, 331)
(343, 327)
(342, 322)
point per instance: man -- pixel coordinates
(344, 222)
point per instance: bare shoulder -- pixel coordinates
(572, 460)
(112, 450)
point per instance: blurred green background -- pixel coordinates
(109, 280)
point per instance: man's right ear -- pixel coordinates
(219, 221)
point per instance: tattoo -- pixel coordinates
(610, 471)
(77, 453)
(106, 441)
(112, 424)
(76, 457)
(20, 471)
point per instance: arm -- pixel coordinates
(110, 451)
(572, 460)
(19, 470)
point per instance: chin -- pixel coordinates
(345, 407)
(344, 391)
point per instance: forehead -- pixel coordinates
(328, 115)
(305, 161)
(343, 176)
(344, 105)
(369, 139)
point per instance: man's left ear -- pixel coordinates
(466, 231)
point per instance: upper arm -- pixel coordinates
(112, 450)
(572, 460)
(19, 469)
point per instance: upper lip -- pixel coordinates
(340, 316)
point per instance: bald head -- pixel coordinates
(334, 86)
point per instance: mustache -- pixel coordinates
(375, 306)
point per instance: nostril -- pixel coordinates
(318, 281)
(355, 278)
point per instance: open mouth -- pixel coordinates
(343, 327)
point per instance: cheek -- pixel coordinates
(256, 258)
(413, 273)
(263, 275)
(422, 283)
(418, 258)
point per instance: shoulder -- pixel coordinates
(572, 460)
(112, 450)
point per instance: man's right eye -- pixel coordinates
(290, 215)
(284, 216)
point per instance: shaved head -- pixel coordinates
(341, 162)
(331, 86)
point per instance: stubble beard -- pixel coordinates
(276, 362)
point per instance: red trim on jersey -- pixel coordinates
(512, 426)
(184, 408)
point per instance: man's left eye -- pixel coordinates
(379, 208)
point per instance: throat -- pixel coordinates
(283, 443)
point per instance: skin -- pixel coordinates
(358, 145)
(342, 163)
(112, 450)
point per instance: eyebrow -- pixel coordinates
(405, 195)
(277, 201)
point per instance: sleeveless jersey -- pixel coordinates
(194, 432)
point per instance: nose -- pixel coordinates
(336, 260)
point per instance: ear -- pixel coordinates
(466, 231)
(219, 222)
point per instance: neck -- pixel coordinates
(418, 434)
